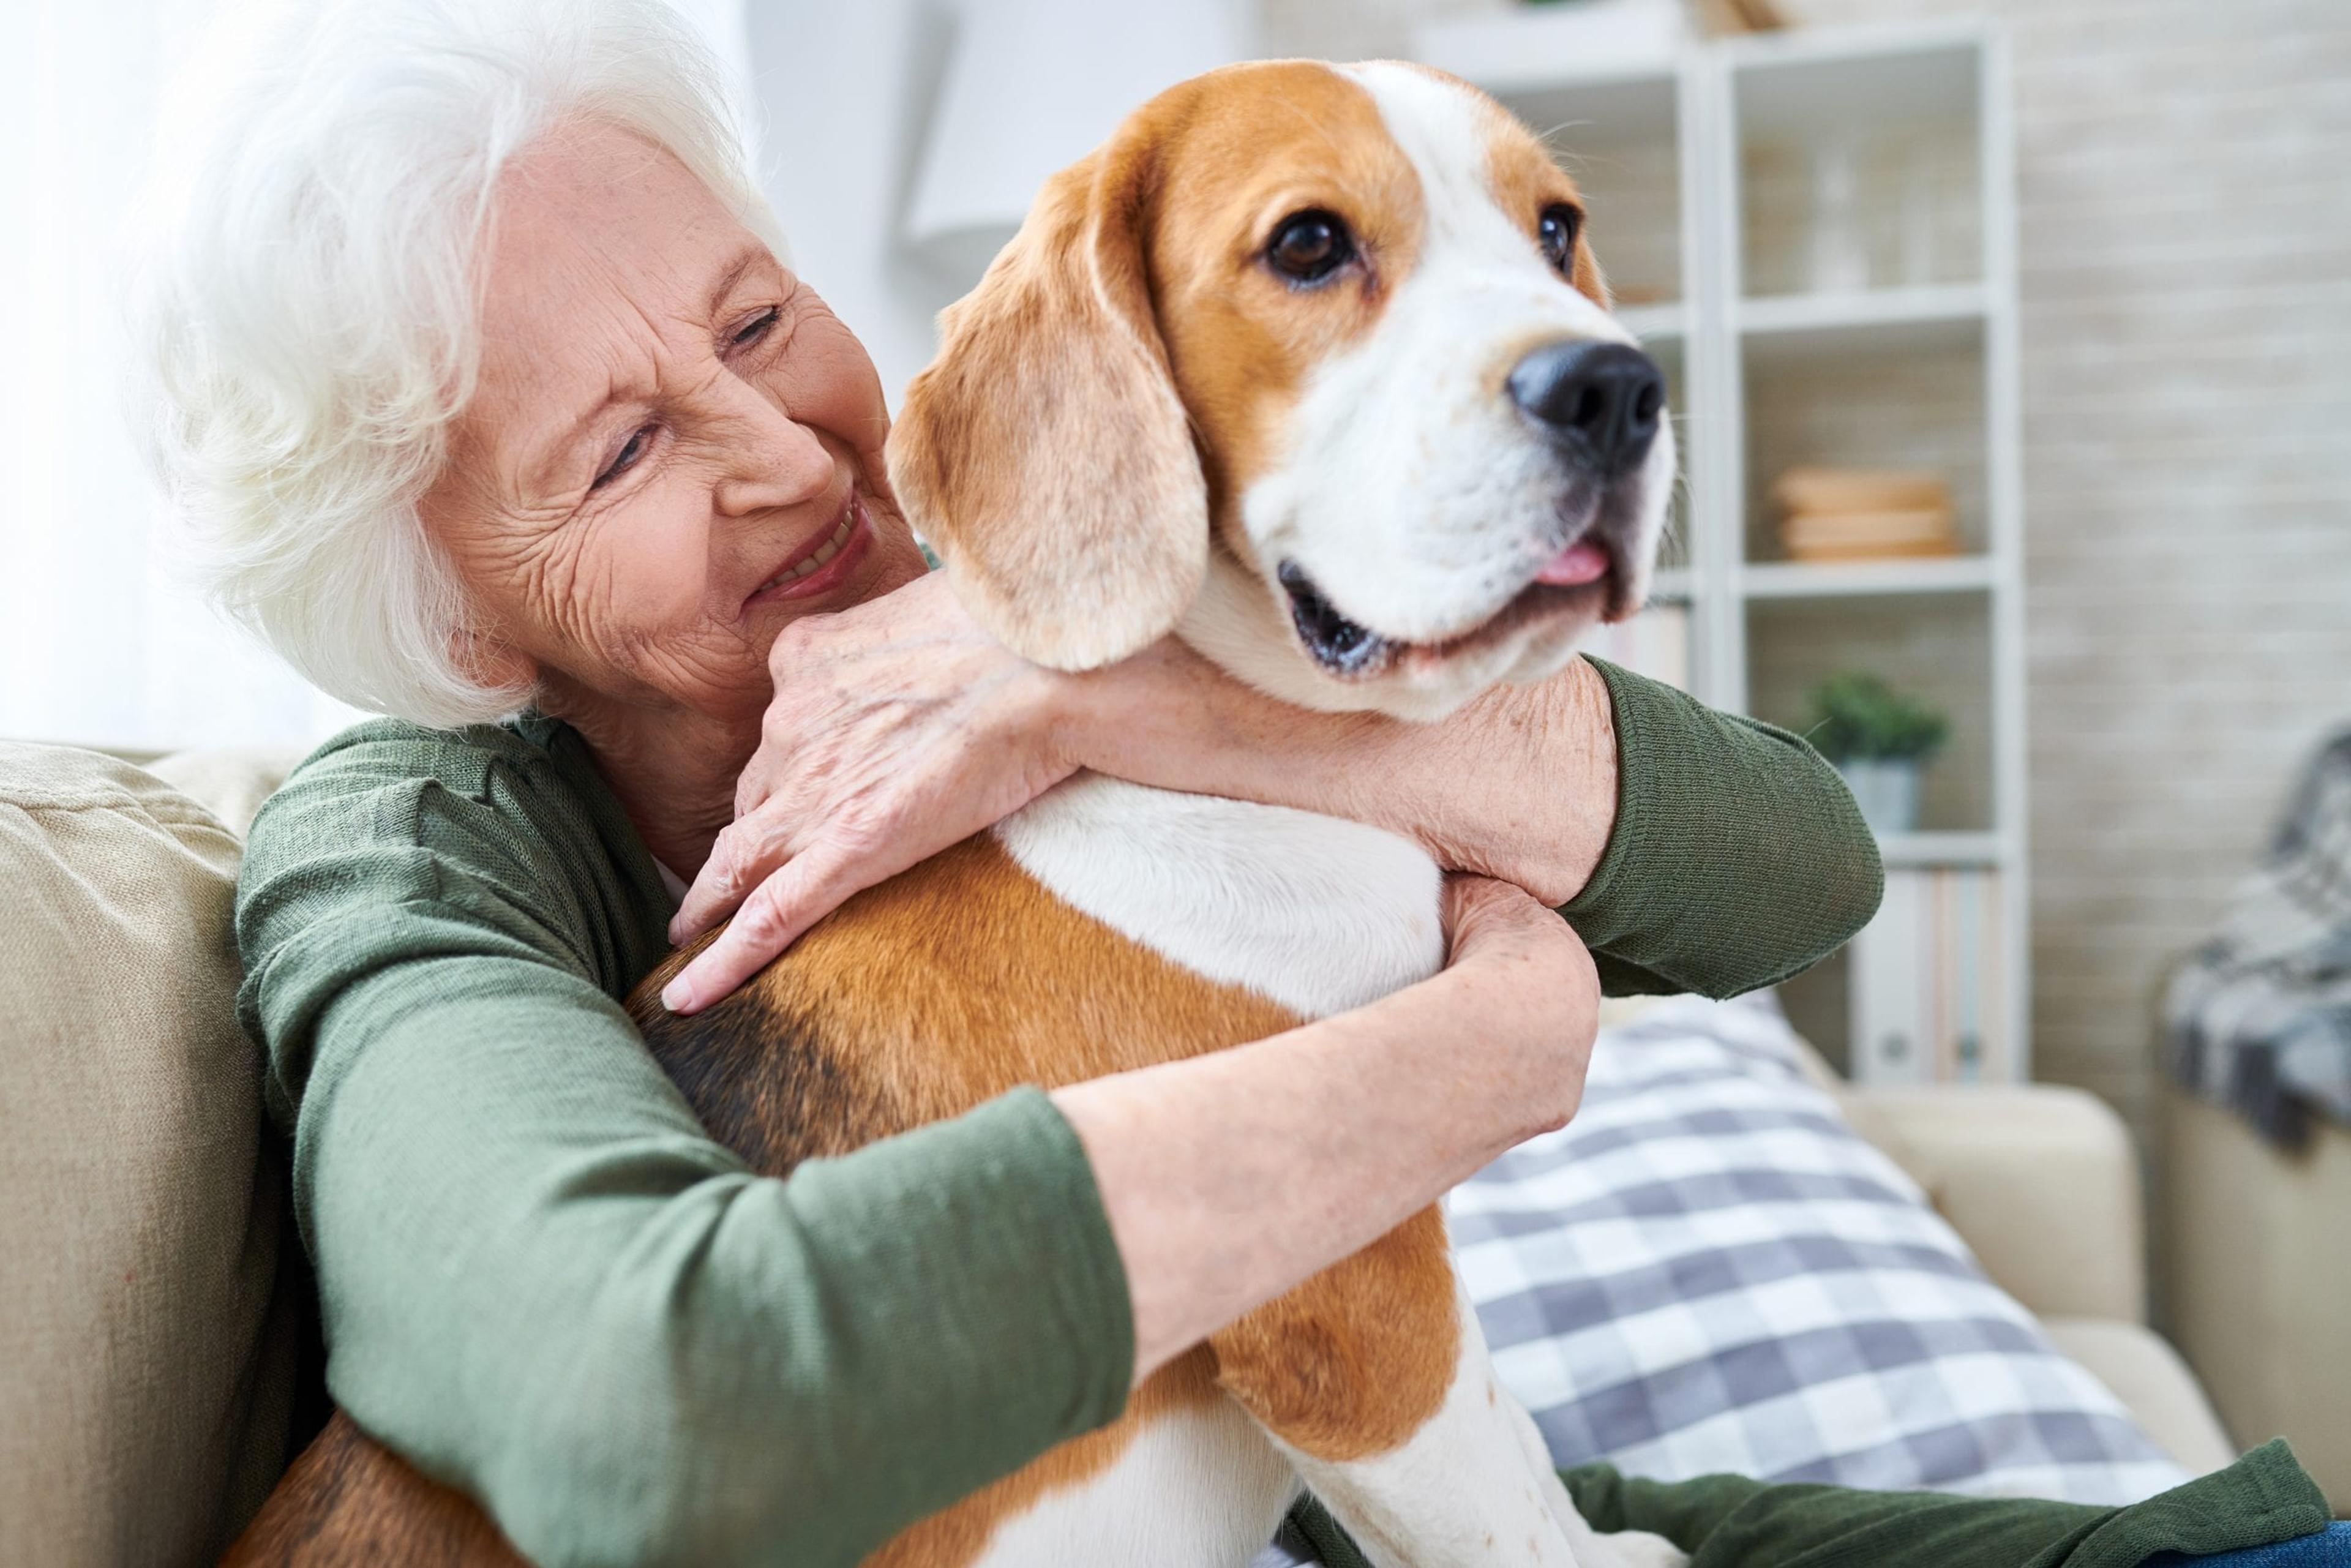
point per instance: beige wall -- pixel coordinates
(2183, 181)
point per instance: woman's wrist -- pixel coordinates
(1525, 777)
(1168, 718)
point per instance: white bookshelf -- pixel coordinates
(1694, 165)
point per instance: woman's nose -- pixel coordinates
(771, 460)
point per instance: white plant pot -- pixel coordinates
(1887, 790)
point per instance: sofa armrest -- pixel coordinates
(2148, 1376)
(2040, 1181)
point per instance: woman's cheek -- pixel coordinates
(637, 581)
(672, 558)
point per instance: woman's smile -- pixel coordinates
(822, 564)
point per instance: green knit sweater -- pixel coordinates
(1731, 1521)
(543, 1283)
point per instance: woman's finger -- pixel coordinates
(804, 891)
(748, 851)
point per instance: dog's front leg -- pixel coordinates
(1374, 1377)
(1620, 1549)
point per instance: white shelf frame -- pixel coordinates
(1943, 849)
(1717, 324)
(1834, 580)
(1957, 302)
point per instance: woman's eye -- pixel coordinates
(753, 330)
(626, 457)
(1557, 229)
(1310, 246)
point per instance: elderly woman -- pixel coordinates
(479, 374)
(495, 409)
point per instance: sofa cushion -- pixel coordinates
(1709, 1271)
(146, 1341)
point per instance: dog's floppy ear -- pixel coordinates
(1045, 454)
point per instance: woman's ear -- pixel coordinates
(1045, 454)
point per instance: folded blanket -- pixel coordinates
(2259, 1018)
(1729, 1522)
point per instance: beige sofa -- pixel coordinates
(2258, 1279)
(150, 1284)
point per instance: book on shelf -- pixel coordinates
(1861, 513)
(1929, 981)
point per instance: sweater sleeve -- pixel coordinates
(1739, 857)
(542, 1283)
(2265, 1498)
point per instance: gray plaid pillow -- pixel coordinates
(1708, 1270)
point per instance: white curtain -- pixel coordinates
(99, 643)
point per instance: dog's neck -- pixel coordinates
(1317, 913)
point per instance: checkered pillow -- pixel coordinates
(1708, 1270)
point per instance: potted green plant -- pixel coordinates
(1879, 740)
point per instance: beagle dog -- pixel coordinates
(1312, 367)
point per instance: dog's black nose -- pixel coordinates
(1601, 401)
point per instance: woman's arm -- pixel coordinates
(1694, 850)
(1357, 1121)
(541, 1281)
(1520, 784)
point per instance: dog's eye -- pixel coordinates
(1310, 246)
(1557, 229)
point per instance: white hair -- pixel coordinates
(305, 301)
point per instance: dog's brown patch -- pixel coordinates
(1525, 179)
(921, 998)
(1241, 340)
(1353, 1361)
(348, 1503)
(1045, 454)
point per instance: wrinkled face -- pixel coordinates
(1434, 459)
(672, 449)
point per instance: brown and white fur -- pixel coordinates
(1133, 425)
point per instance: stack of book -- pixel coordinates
(1861, 513)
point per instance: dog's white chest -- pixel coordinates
(1317, 913)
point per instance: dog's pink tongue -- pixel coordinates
(1582, 561)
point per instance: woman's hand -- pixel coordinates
(898, 728)
(1528, 981)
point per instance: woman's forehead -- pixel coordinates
(606, 252)
(595, 211)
